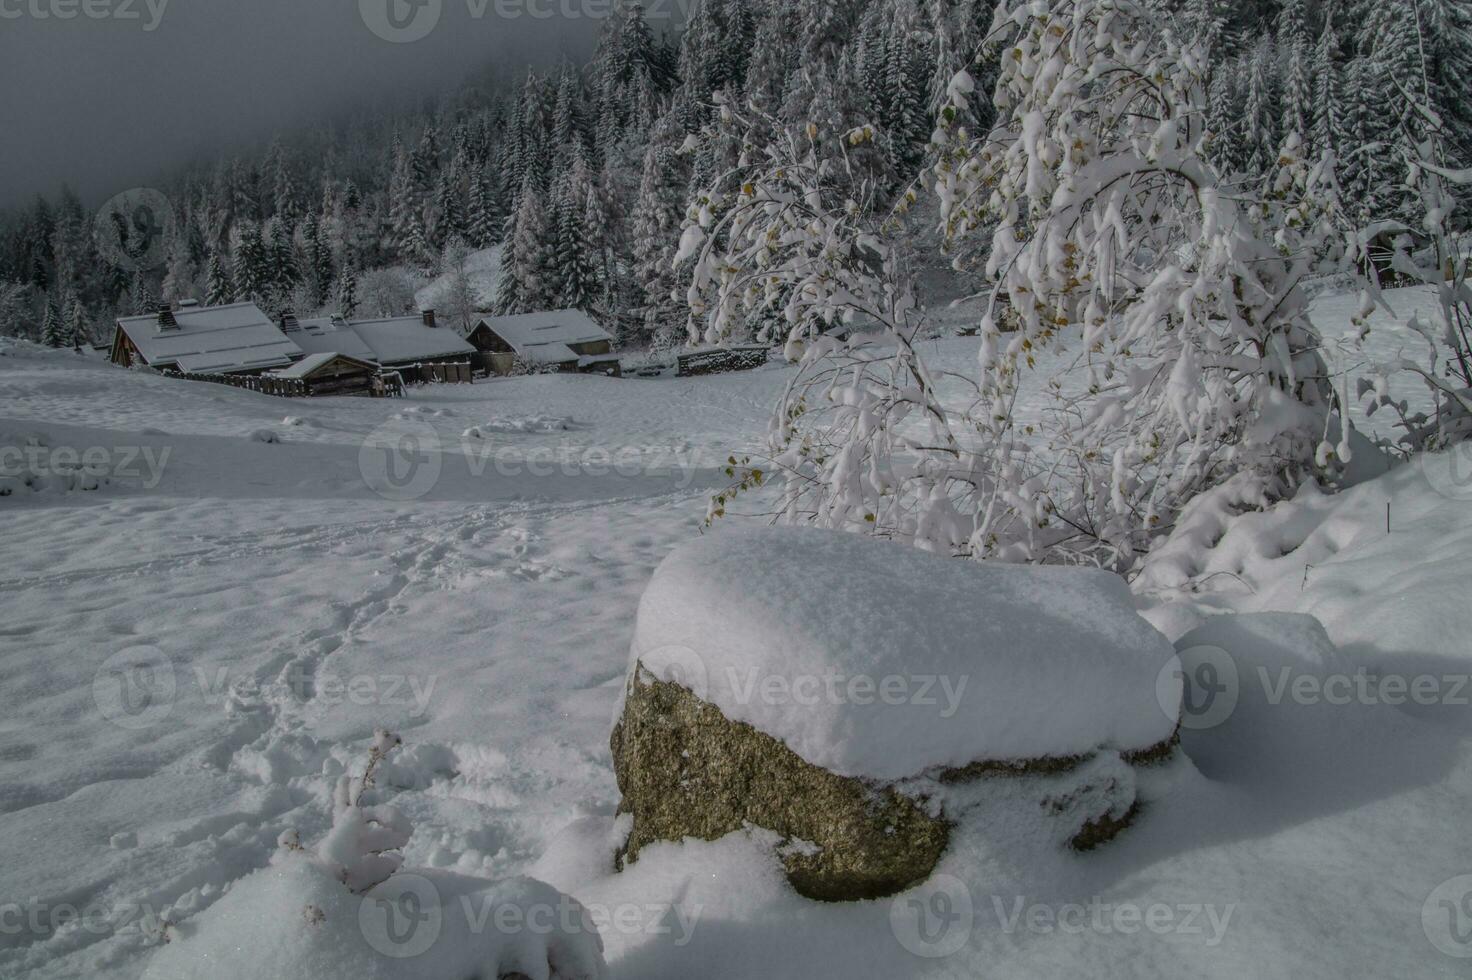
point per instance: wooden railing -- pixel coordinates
(722, 360)
(265, 384)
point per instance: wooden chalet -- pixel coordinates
(331, 373)
(562, 340)
(199, 340)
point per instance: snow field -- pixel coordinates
(489, 622)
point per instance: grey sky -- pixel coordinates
(106, 104)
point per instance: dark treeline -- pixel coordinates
(585, 173)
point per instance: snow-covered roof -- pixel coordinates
(566, 327)
(324, 335)
(304, 368)
(212, 340)
(404, 339)
(549, 354)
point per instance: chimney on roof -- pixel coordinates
(166, 319)
(289, 322)
(429, 318)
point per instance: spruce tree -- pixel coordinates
(1297, 85)
(1328, 125)
(528, 272)
(52, 333)
(78, 333)
(347, 292)
(219, 289)
(482, 232)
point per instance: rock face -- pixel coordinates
(856, 698)
(685, 770)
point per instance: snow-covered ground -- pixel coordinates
(193, 651)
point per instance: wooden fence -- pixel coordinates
(386, 385)
(437, 374)
(266, 385)
(722, 360)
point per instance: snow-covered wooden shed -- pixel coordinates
(331, 373)
(565, 340)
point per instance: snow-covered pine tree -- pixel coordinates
(53, 334)
(1293, 46)
(347, 291)
(404, 208)
(283, 271)
(144, 300)
(1328, 115)
(219, 288)
(252, 271)
(577, 270)
(450, 220)
(528, 272)
(1259, 122)
(321, 273)
(78, 324)
(484, 229)
(656, 222)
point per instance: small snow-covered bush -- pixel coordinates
(1152, 307)
(346, 910)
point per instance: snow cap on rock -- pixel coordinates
(874, 660)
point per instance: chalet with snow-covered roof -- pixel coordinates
(411, 341)
(331, 373)
(326, 335)
(194, 339)
(564, 340)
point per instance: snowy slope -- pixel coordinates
(489, 619)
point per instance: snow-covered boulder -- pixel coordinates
(823, 686)
(294, 920)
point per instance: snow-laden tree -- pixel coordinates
(528, 267)
(347, 291)
(219, 287)
(1157, 306)
(78, 329)
(1328, 110)
(1446, 366)
(461, 300)
(1148, 339)
(53, 334)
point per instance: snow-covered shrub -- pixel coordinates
(1154, 309)
(1444, 267)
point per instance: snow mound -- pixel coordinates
(874, 660)
(30, 464)
(265, 436)
(294, 920)
(522, 425)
